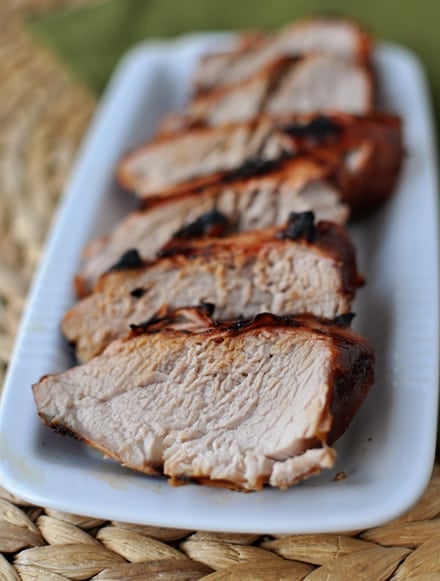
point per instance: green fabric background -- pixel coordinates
(91, 39)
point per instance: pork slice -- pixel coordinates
(222, 69)
(322, 83)
(302, 268)
(196, 157)
(330, 36)
(234, 104)
(285, 87)
(365, 153)
(239, 405)
(258, 201)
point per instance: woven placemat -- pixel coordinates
(43, 114)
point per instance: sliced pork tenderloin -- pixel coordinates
(258, 201)
(336, 37)
(239, 404)
(286, 87)
(195, 158)
(364, 151)
(304, 267)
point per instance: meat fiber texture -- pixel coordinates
(242, 275)
(289, 86)
(336, 37)
(365, 153)
(237, 405)
(258, 201)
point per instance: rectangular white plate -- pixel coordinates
(387, 454)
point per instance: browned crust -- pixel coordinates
(372, 186)
(349, 390)
(205, 326)
(349, 129)
(80, 286)
(373, 182)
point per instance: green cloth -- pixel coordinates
(91, 39)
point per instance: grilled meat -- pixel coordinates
(300, 268)
(238, 404)
(330, 36)
(365, 153)
(257, 201)
(286, 87)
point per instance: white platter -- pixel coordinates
(388, 452)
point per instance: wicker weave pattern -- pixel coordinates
(43, 114)
(49, 545)
(42, 117)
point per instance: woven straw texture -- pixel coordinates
(43, 114)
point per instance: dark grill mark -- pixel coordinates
(209, 308)
(64, 431)
(140, 327)
(256, 167)
(259, 320)
(299, 225)
(169, 318)
(318, 129)
(344, 320)
(210, 224)
(130, 259)
(137, 293)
